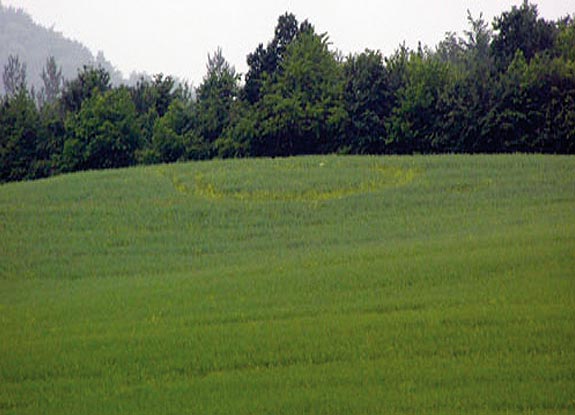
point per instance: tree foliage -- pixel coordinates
(413, 124)
(90, 81)
(367, 100)
(215, 98)
(301, 110)
(103, 134)
(19, 128)
(265, 61)
(505, 88)
(521, 29)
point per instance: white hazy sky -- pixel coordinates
(175, 36)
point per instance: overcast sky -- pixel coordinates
(175, 36)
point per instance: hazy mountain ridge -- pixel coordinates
(33, 44)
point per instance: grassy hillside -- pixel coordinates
(324, 285)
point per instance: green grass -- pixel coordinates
(324, 285)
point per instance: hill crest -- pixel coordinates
(33, 43)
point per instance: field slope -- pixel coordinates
(312, 285)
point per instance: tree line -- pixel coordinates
(508, 87)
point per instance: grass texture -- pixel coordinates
(309, 285)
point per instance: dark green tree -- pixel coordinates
(551, 90)
(468, 96)
(237, 139)
(19, 127)
(215, 98)
(302, 110)
(163, 93)
(521, 29)
(265, 61)
(413, 125)
(565, 41)
(52, 136)
(152, 99)
(396, 68)
(451, 49)
(367, 98)
(89, 81)
(535, 109)
(508, 125)
(143, 96)
(175, 137)
(103, 134)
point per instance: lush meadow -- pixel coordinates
(324, 285)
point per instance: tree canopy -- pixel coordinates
(505, 87)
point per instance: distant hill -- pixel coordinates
(33, 43)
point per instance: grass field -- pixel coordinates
(313, 285)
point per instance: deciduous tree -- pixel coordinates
(90, 81)
(103, 134)
(367, 97)
(302, 109)
(19, 127)
(521, 29)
